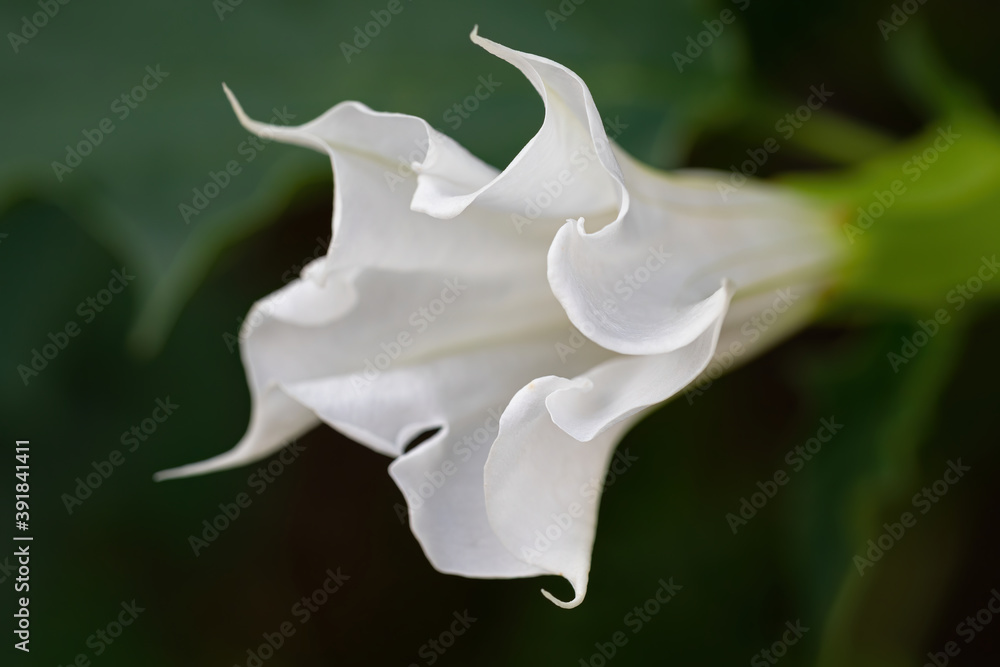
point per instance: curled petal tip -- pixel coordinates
(575, 602)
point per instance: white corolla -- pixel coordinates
(531, 315)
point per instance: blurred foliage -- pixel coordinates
(666, 516)
(923, 215)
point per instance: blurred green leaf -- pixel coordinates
(922, 221)
(867, 476)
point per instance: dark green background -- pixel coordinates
(334, 507)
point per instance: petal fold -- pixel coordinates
(648, 282)
(543, 486)
(623, 386)
(567, 169)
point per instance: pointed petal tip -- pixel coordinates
(224, 461)
(233, 102)
(179, 472)
(170, 473)
(241, 115)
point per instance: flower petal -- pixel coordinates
(395, 320)
(623, 386)
(442, 479)
(543, 486)
(566, 169)
(386, 262)
(648, 283)
(275, 419)
(386, 409)
(374, 156)
(556, 438)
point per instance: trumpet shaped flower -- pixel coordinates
(531, 315)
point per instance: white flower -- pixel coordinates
(454, 296)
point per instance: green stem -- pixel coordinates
(840, 139)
